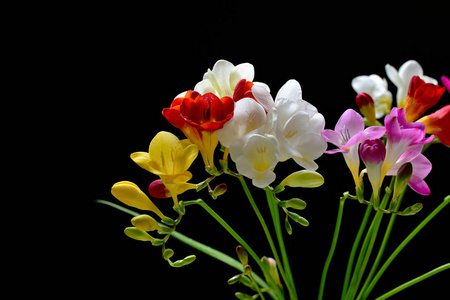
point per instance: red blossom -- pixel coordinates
(421, 96)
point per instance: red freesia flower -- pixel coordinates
(438, 123)
(199, 117)
(421, 96)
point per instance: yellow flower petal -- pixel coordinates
(130, 194)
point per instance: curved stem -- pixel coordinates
(404, 243)
(333, 245)
(414, 281)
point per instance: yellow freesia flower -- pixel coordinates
(130, 194)
(169, 158)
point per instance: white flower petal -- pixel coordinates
(248, 116)
(204, 87)
(246, 71)
(392, 74)
(363, 84)
(408, 70)
(220, 77)
(290, 90)
(263, 97)
(263, 181)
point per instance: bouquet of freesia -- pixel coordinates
(256, 132)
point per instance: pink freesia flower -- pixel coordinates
(401, 136)
(347, 135)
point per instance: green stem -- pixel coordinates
(238, 238)
(333, 245)
(404, 243)
(414, 281)
(266, 230)
(273, 206)
(383, 245)
(351, 259)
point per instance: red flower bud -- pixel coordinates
(366, 107)
(157, 189)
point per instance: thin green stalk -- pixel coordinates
(238, 238)
(383, 246)
(414, 281)
(279, 232)
(367, 247)
(404, 243)
(333, 245)
(351, 259)
(266, 231)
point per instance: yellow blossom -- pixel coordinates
(169, 158)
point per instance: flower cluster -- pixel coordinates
(257, 131)
(385, 149)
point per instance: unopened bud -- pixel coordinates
(412, 210)
(242, 255)
(298, 219)
(167, 254)
(294, 203)
(303, 178)
(157, 189)
(366, 107)
(403, 176)
(145, 223)
(271, 264)
(219, 190)
(138, 234)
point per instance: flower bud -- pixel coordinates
(157, 189)
(303, 178)
(412, 210)
(242, 255)
(294, 203)
(167, 254)
(298, 219)
(403, 176)
(373, 153)
(271, 264)
(138, 234)
(130, 194)
(219, 190)
(145, 223)
(366, 107)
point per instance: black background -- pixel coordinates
(115, 67)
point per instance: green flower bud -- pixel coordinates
(412, 210)
(294, 203)
(242, 255)
(138, 234)
(298, 219)
(303, 178)
(167, 254)
(242, 296)
(403, 176)
(145, 223)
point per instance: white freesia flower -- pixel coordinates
(248, 116)
(255, 156)
(224, 76)
(297, 124)
(403, 76)
(376, 87)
